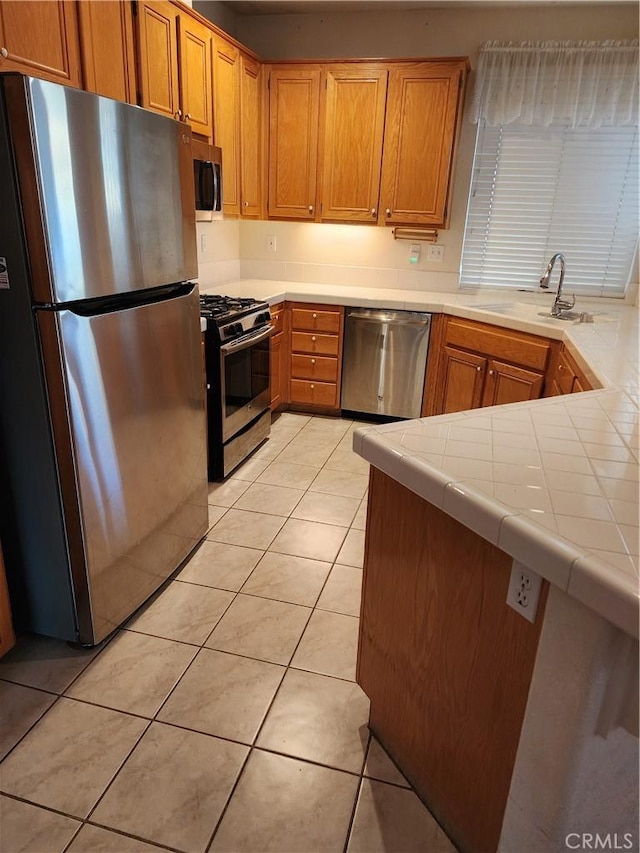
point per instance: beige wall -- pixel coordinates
(360, 254)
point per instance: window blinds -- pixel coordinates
(540, 190)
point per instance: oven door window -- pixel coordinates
(246, 376)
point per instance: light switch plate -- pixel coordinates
(435, 253)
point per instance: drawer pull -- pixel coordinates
(315, 316)
(4, 52)
(313, 361)
(312, 387)
(313, 337)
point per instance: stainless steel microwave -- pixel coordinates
(207, 177)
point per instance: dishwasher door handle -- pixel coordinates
(391, 321)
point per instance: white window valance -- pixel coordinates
(577, 84)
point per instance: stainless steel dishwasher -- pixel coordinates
(384, 362)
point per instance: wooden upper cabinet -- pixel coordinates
(351, 142)
(420, 132)
(294, 101)
(226, 120)
(250, 136)
(108, 54)
(194, 51)
(158, 66)
(41, 39)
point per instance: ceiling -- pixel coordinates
(308, 7)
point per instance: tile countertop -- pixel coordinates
(553, 482)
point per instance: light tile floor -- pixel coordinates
(224, 716)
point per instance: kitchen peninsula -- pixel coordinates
(514, 733)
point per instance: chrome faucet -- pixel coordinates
(559, 304)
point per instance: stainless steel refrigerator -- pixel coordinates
(102, 423)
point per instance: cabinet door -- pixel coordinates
(194, 51)
(294, 100)
(509, 384)
(462, 380)
(41, 39)
(158, 67)
(250, 125)
(226, 120)
(420, 132)
(355, 98)
(108, 56)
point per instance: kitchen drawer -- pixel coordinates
(315, 320)
(314, 393)
(312, 367)
(307, 343)
(506, 344)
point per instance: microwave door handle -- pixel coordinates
(217, 187)
(247, 341)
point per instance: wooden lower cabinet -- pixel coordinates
(463, 378)
(316, 356)
(506, 383)
(564, 376)
(279, 356)
(444, 661)
(476, 364)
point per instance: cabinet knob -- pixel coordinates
(560, 367)
(246, 204)
(491, 373)
(373, 212)
(388, 211)
(310, 208)
(178, 114)
(187, 117)
(315, 316)
(312, 387)
(313, 361)
(478, 368)
(313, 337)
(4, 52)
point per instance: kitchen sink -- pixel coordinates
(531, 311)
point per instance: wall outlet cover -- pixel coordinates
(271, 243)
(435, 253)
(524, 591)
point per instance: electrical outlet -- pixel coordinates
(271, 243)
(524, 591)
(203, 243)
(435, 253)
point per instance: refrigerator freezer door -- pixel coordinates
(134, 389)
(114, 184)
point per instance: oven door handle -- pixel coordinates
(247, 340)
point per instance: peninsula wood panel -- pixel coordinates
(194, 51)
(250, 137)
(420, 132)
(446, 664)
(41, 39)
(7, 635)
(351, 150)
(108, 53)
(294, 102)
(226, 120)
(158, 57)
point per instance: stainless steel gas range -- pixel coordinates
(237, 367)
